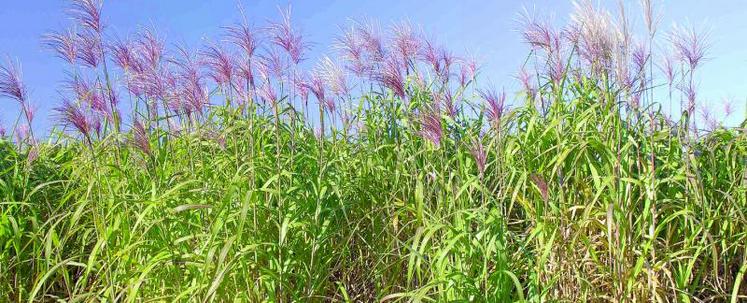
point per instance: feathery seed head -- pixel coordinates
(271, 65)
(430, 126)
(63, 44)
(467, 71)
(90, 50)
(391, 76)
(150, 48)
(430, 54)
(267, 93)
(449, 103)
(495, 105)
(74, 115)
(11, 85)
(596, 35)
(480, 156)
(88, 14)
(316, 85)
(352, 47)
(650, 17)
(140, 137)
(284, 35)
(405, 42)
(667, 67)
(371, 37)
(245, 70)
(330, 105)
(527, 83)
(123, 56)
(690, 46)
(244, 37)
(539, 34)
(301, 85)
(190, 87)
(728, 105)
(640, 57)
(334, 76)
(219, 64)
(691, 95)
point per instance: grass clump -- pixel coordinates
(418, 187)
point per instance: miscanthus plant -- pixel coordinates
(242, 172)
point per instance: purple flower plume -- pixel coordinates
(245, 70)
(33, 153)
(449, 103)
(650, 17)
(595, 35)
(371, 37)
(527, 83)
(640, 57)
(430, 126)
(728, 107)
(219, 63)
(478, 153)
(708, 117)
(467, 71)
(691, 46)
(439, 58)
(244, 37)
(316, 85)
(539, 34)
(88, 13)
(448, 59)
(301, 85)
(189, 80)
(391, 76)
(405, 43)
(140, 137)
(330, 105)
(74, 115)
(430, 54)
(90, 51)
(667, 67)
(352, 48)
(557, 70)
(193, 92)
(92, 95)
(267, 93)
(495, 105)
(63, 44)
(156, 83)
(284, 35)
(149, 48)
(334, 76)
(124, 57)
(271, 65)
(691, 94)
(11, 85)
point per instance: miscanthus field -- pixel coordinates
(245, 171)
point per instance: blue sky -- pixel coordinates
(486, 29)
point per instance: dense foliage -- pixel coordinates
(417, 187)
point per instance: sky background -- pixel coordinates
(487, 29)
